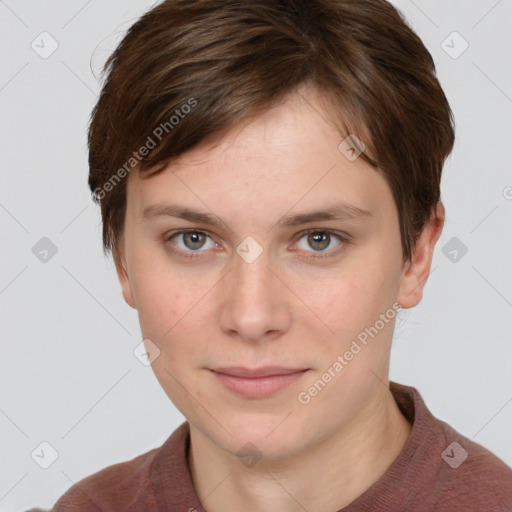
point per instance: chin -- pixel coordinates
(268, 439)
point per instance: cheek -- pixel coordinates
(349, 308)
(161, 309)
(173, 311)
(160, 291)
(343, 300)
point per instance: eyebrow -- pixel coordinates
(339, 211)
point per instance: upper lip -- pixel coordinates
(263, 371)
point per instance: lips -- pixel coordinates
(260, 382)
(265, 371)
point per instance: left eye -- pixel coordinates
(319, 241)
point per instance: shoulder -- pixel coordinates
(120, 484)
(137, 484)
(470, 477)
(442, 469)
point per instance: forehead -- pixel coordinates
(288, 155)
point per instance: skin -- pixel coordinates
(285, 308)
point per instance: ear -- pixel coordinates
(122, 273)
(416, 271)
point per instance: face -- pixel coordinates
(255, 290)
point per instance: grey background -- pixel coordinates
(68, 375)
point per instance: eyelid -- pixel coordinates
(338, 234)
(173, 234)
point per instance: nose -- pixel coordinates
(255, 303)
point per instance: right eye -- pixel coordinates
(192, 241)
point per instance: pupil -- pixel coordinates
(323, 238)
(195, 243)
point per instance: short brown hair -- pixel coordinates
(225, 61)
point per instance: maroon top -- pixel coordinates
(438, 470)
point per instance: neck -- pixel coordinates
(325, 478)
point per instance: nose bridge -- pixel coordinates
(252, 279)
(253, 304)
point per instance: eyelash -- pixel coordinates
(328, 254)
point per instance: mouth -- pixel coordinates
(258, 382)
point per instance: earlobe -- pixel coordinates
(124, 280)
(416, 271)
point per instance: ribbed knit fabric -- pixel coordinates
(429, 475)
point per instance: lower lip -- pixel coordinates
(258, 387)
